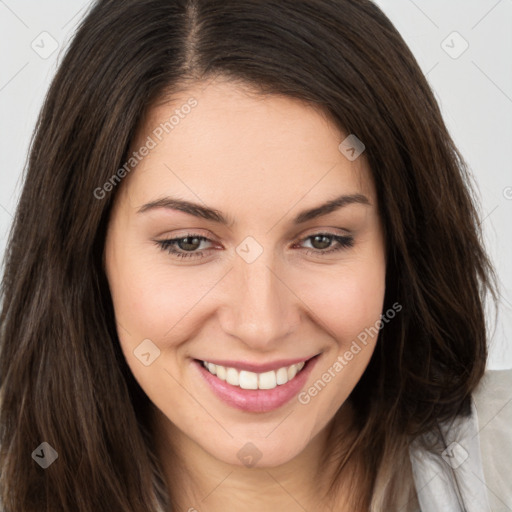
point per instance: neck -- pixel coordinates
(198, 481)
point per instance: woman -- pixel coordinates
(246, 271)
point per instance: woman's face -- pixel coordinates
(263, 291)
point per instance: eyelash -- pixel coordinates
(168, 245)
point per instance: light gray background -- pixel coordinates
(474, 89)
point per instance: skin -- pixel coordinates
(260, 160)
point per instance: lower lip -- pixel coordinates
(257, 400)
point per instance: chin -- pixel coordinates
(259, 452)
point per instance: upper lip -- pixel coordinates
(257, 367)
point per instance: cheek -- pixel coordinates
(150, 304)
(139, 299)
(150, 297)
(349, 308)
(350, 301)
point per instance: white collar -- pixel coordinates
(451, 479)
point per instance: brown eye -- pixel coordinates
(183, 247)
(322, 241)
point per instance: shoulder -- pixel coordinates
(493, 404)
(494, 391)
(470, 465)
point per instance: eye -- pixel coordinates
(187, 244)
(325, 239)
(187, 247)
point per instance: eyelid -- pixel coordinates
(327, 230)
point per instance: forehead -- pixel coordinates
(224, 142)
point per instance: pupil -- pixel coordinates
(185, 243)
(326, 238)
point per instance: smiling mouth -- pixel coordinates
(251, 380)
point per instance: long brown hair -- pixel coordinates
(63, 377)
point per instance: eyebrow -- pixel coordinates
(214, 215)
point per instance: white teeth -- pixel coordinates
(252, 380)
(248, 380)
(267, 380)
(232, 377)
(221, 372)
(281, 376)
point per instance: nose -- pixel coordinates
(261, 307)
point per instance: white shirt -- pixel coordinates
(474, 471)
